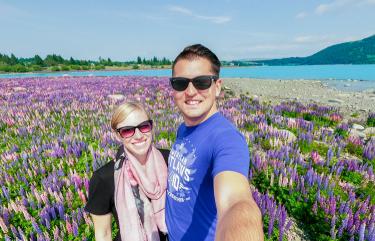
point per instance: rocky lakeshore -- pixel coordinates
(351, 104)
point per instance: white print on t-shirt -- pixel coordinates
(180, 174)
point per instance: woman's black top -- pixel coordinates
(102, 188)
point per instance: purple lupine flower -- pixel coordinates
(14, 231)
(5, 192)
(338, 152)
(22, 234)
(6, 216)
(369, 150)
(333, 224)
(75, 229)
(281, 222)
(329, 156)
(362, 231)
(315, 208)
(52, 212)
(36, 227)
(60, 208)
(79, 215)
(271, 223)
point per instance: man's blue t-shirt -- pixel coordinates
(198, 155)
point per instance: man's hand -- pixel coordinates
(239, 218)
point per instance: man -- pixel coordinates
(208, 194)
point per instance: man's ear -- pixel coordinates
(218, 84)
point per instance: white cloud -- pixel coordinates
(261, 48)
(188, 12)
(323, 40)
(338, 4)
(301, 15)
(316, 39)
(366, 2)
(323, 8)
(220, 19)
(179, 9)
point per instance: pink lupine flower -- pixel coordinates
(68, 226)
(3, 226)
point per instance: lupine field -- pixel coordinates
(307, 170)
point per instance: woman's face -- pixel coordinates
(138, 144)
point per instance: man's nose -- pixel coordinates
(191, 90)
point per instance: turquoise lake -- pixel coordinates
(345, 77)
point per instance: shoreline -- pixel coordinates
(351, 104)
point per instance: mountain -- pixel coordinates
(356, 52)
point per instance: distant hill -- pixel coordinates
(356, 52)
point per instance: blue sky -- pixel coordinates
(123, 30)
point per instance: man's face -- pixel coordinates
(195, 105)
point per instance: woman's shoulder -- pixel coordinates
(105, 172)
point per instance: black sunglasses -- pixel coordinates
(202, 82)
(128, 131)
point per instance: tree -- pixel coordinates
(109, 62)
(13, 60)
(72, 61)
(38, 60)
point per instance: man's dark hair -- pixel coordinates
(199, 51)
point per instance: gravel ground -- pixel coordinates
(305, 91)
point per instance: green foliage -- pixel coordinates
(354, 149)
(36, 68)
(75, 67)
(154, 61)
(65, 68)
(99, 67)
(166, 135)
(38, 60)
(318, 120)
(266, 145)
(371, 122)
(290, 114)
(299, 208)
(341, 132)
(306, 147)
(55, 68)
(250, 127)
(352, 177)
(58, 63)
(18, 68)
(367, 189)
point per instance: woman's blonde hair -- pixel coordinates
(123, 111)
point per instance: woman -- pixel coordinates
(132, 188)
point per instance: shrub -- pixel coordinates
(65, 68)
(371, 119)
(55, 68)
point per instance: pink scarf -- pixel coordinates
(152, 180)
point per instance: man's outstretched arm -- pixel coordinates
(239, 218)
